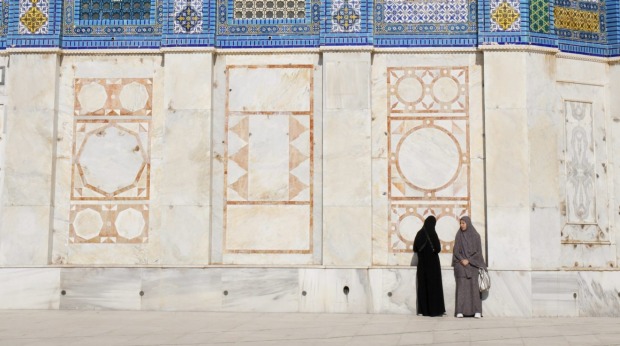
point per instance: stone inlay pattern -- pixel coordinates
(580, 174)
(110, 181)
(269, 162)
(33, 16)
(429, 166)
(505, 15)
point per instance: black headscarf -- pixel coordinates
(427, 232)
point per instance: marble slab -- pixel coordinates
(347, 290)
(510, 294)
(260, 289)
(30, 288)
(100, 289)
(24, 235)
(182, 289)
(599, 293)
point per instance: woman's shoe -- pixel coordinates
(478, 315)
(459, 315)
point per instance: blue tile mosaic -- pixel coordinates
(578, 26)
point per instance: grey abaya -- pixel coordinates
(429, 287)
(467, 245)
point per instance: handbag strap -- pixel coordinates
(429, 240)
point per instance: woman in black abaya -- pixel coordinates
(429, 285)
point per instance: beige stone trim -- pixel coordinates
(573, 56)
(345, 49)
(517, 48)
(425, 50)
(262, 51)
(33, 51)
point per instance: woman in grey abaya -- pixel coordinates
(428, 275)
(466, 259)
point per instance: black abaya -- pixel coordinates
(429, 286)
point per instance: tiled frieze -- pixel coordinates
(346, 15)
(269, 162)
(539, 16)
(110, 179)
(425, 22)
(505, 15)
(188, 16)
(33, 16)
(428, 143)
(269, 23)
(109, 23)
(580, 20)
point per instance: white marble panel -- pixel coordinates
(29, 288)
(184, 172)
(312, 283)
(510, 294)
(544, 141)
(270, 88)
(100, 288)
(102, 254)
(545, 228)
(541, 91)
(554, 294)
(188, 79)
(357, 299)
(270, 228)
(346, 79)
(24, 235)
(28, 156)
(380, 210)
(113, 66)
(507, 165)
(347, 235)
(504, 88)
(182, 289)
(393, 290)
(346, 158)
(599, 293)
(268, 158)
(588, 256)
(261, 289)
(179, 235)
(509, 239)
(32, 78)
(581, 71)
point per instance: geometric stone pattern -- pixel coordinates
(580, 20)
(105, 223)
(112, 97)
(539, 16)
(269, 164)
(33, 17)
(187, 16)
(346, 16)
(505, 15)
(428, 143)
(110, 175)
(269, 9)
(435, 17)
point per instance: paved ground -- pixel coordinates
(213, 328)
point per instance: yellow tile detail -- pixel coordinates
(505, 15)
(571, 19)
(33, 19)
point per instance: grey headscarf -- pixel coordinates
(467, 245)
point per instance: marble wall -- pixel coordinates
(228, 181)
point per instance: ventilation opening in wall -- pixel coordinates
(345, 290)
